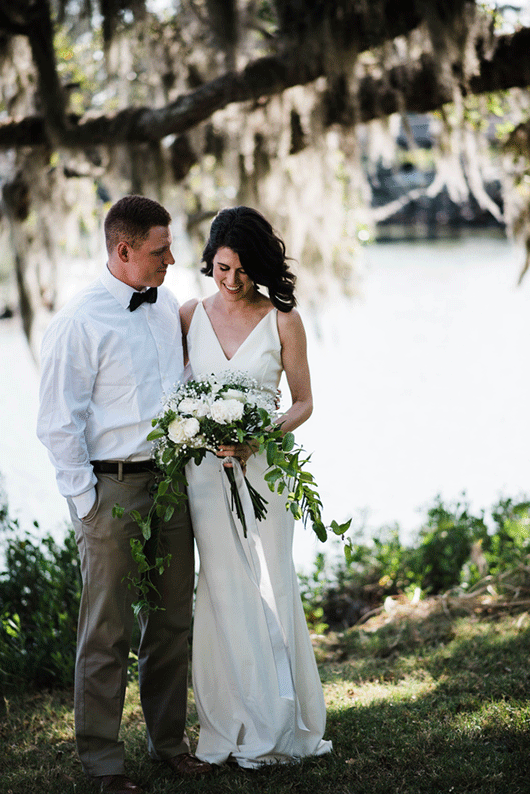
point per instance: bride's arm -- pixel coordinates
(296, 367)
(186, 314)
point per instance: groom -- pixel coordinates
(107, 359)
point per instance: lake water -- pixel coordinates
(421, 387)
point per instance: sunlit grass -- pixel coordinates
(414, 706)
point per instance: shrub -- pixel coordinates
(454, 547)
(446, 543)
(311, 589)
(374, 570)
(39, 600)
(509, 545)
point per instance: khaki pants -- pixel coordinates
(106, 623)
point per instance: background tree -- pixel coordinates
(204, 103)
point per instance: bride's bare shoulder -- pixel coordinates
(186, 313)
(290, 327)
(290, 319)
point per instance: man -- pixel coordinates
(107, 359)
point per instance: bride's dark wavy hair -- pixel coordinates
(261, 252)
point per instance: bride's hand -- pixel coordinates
(240, 451)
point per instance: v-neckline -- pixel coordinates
(245, 340)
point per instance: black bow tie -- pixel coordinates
(137, 298)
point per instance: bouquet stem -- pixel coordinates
(258, 502)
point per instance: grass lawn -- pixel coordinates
(420, 699)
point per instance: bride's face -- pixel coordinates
(230, 278)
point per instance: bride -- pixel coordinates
(256, 684)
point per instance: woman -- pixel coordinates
(255, 679)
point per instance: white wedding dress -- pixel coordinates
(255, 680)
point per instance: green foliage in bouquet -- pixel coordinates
(201, 416)
(288, 474)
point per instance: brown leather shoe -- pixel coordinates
(119, 784)
(188, 765)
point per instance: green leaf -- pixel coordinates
(337, 528)
(264, 416)
(163, 486)
(305, 476)
(168, 497)
(295, 510)
(177, 498)
(320, 531)
(161, 563)
(288, 442)
(145, 526)
(167, 455)
(271, 453)
(117, 511)
(169, 512)
(154, 434)
(345, 527)
(290, 470)
(273, 476)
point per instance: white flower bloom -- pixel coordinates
(187, 405)
(181, 431)
(226, 411)
(196, 408)
(234, 394)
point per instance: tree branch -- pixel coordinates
(414, 84)
(264, 77)
(40, 36)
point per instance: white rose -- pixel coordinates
(187, 405)
(225, 411)
(181, 431)
(193, 407)
(234, 394)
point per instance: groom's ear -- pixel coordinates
(122, 249)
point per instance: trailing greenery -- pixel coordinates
(199, 417)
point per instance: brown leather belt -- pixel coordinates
(121, 467)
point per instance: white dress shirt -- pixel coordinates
(105, 372)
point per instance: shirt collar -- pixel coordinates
(118, 289)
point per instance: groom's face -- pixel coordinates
(146, 264)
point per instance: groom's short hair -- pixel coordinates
(131, 218)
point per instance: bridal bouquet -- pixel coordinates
(199, 417)
(202, 415)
